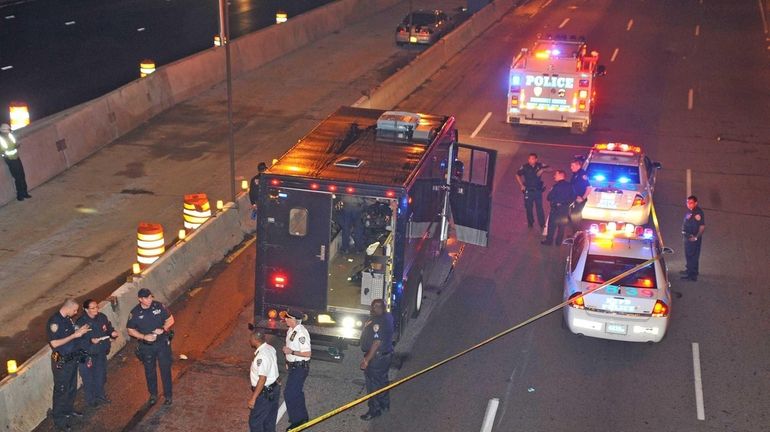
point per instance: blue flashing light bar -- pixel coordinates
(516, 80)
(600, 177)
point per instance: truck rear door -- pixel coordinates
(297, 231)
(471, 193)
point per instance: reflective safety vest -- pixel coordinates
(9, 148)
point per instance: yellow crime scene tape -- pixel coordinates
(532, 319)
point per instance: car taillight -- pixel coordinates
(639, 200)
(401, 29)
(279, 280)
(660, 309)
(426, 31)
(576, 301)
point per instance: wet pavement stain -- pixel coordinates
(133, 170)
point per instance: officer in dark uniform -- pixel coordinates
(297, 351)
(97, 344)
(692, 230)
(377, 345)
(352, 223)
(150, 323)
(531, 183)
(579, 182)
(254, 185)
(560, 197)
(63, 337)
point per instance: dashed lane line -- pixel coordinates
(614, 54)
(563, 23)
(700, 410)
(481, 125)
(630, 24)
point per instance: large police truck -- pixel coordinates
(554, 84)
(418, 192)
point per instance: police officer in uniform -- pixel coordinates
(377, 345)
(560, 197)
(692, 230)
(352, 223)
(97, 344)
(254, 185)
(64, 339)
(297, 351)
(9, 150)
(265, 389)
(150, 323)
(579, 182)
(531, 184)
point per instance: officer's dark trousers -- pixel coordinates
(294, 395)
(557, 223)
(94, 377)
(352, 226)
(376, 378)
(534, 198)
(17, 171)
(692, 255)
(157, 353)
(263, 416)
(65, 381)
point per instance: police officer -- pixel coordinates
(297, 351)
(97, 344)
(265, 389)
(560, 197)
(579, 182)
(531, 184)
(150, 323)
(377, 345)
(692, 230)
(9, 150)
(254, 184)
(352, 223)
(63, 337)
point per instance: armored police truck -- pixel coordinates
(368, 205)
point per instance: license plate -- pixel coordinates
(617, 329)
(413, 39)
(607, 200)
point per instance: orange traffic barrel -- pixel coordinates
(146, 67)
(150, 244)
(197, 210)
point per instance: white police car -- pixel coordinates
(621, 180)
(637, 308)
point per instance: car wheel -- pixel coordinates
(417, 299)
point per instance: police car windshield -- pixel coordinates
(623, 174)
(601, 268)
(421, 19)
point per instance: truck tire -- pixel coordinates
(416, 303)
(578, 128)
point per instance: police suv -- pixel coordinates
(622, 180)
(636, 308)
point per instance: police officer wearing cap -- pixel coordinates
(692, 229)
(579, 182)
(265, 389)
(560, 197)
(297, 351)
(530, 181)
(150, 323)
(64, 340)
(377, 345)
(9, 150)
(97, 344)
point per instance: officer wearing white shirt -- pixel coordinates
(297, 351)
(265, 389)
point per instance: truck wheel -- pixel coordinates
(417, 300)
(578, 128)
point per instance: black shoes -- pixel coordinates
(370, 415)
(296, 424)
(168, 402)
(105, 400)
(63, 428)
(689, 277)
(153, 400)
(77, 414)
(546, 243)
(684, 273)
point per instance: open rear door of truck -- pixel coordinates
(471, 196)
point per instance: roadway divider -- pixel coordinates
(25, 397)
(54, 144)
(401, 84)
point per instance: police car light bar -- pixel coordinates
(615, 147)
(615, 229)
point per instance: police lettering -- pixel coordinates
(550, 81)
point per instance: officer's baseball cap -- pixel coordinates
(144, 292)
(294, 314)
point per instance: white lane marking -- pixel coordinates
(563, 23)
(9, 67)
(481, 125)
(697, 30)
(489, 415)
(140, 29)
(10, 16)
(689, 99)
(614, 54)
(688, 181)
(546, 4)
(762, 14)
(700, 410)
(69, 23)
(630, 24)
(281, 412)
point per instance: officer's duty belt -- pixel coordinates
(384, 353)
(269, 388)
(299, 364)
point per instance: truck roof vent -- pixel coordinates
(402, 125)
(349, 162)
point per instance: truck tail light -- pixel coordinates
(576, 301)
(401, 29)
(279, 280)
(272, 314)
(660, 309)
(639, 200)
(514, 100)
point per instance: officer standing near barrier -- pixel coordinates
(692, 229)
(97, 344)
(560, 197)
(63, 338)
(265, 389)
(9, 150)
(531, 183)
(579, 182)
(150, 323)
(254, 185)
(297, 351)
(377, 345)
